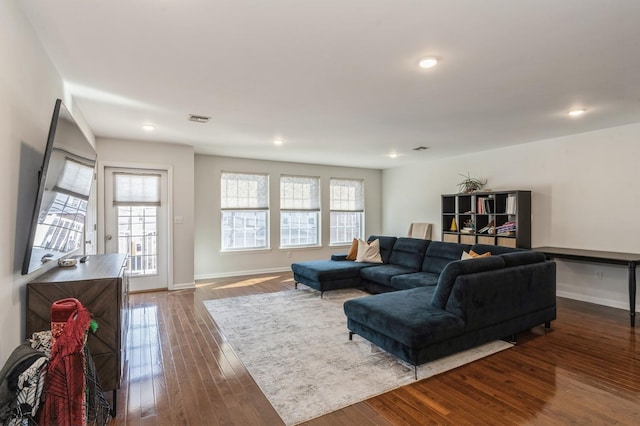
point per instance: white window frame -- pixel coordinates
(244, 202)
(137, 196)
(299, 202)
(346, 210)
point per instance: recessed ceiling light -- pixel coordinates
(393, 155)
(148, 127)
(577, 112)
(428, 62)
(278, 142)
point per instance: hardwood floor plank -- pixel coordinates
(180, 370)
(178, 398)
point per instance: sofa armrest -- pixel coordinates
(338, 257)
(457, 268)
(492, 297)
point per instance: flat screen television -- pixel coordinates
(64, 186)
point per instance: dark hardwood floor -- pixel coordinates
(180, 371)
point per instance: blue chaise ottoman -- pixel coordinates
(337, 273)
(326, 275)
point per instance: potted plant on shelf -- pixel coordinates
(470, 184)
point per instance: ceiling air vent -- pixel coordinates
(199, 118)
(421, 148)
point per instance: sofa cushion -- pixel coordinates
(439, 254)
(406, 316)
(382, 274)
(386, 245)
(461, 267)
(409, 252)
(417, 279)
(522, 258)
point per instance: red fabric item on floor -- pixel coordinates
(64, 402)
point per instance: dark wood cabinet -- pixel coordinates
(494, 217)
(101, 284)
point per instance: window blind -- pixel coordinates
(136, 189)
(299, 193)
(346, 195)
(75, 179)
(243, 191)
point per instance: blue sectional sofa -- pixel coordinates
(430, 303)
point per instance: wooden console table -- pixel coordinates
(597, 256)
(102, 286)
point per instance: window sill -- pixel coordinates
(298, 248)
(246, 251)
(340, 244)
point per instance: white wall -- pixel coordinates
(180, 158)
(29, 86)
(211, 263)
(585, 195)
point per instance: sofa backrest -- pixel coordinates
(409, 252)
(514, 295)
(523, 258)
(386, 245)
(511, 256)
(439, 254)
(461, 267)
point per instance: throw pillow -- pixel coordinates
(472, 255)
(353, 252)
(369, 252)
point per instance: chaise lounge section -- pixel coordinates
(474, 302)
(338, 273)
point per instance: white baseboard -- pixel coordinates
(241, 273)
(184, 286)
(597, 300)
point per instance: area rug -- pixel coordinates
(296, 347)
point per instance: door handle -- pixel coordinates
(108, 237)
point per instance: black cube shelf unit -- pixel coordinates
(503, 208)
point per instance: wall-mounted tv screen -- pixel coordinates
(64, 185)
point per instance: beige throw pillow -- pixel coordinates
(369, 252)
(466, 256)
(472, 255)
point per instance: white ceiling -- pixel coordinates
(338, 79)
